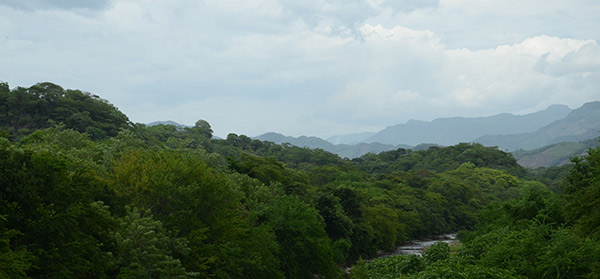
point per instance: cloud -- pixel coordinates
(311, 67)
(583, 61)
(413, 75)
(57, 4)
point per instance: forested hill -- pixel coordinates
(24, 110)
(553, 155)
(166, 202)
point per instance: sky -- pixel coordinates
(311, 67)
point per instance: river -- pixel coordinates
(416, 247)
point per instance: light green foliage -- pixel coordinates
(201, 205)
(359, 270)
(395, 266)
(143, 248)
(437, 252)
(459, 269)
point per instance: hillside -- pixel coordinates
(449, 131)
(579, 125)
(24, 110)
(343, 150)
(553, 155)
(161, 202)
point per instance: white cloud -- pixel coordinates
(311, 67)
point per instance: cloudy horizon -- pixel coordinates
(315, 68)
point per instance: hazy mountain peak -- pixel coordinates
(350, 138)
(580, 124)
(452, 130)
(558, 107)
(343, 150)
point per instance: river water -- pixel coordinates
(416, 247)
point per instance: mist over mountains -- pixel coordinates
(509, 132)
(449, 131)
(350, 138)
(343, 150)
(544, 138)
(579, 125)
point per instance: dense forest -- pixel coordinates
(85, 193)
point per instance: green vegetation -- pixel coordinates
(24, 110)
(553, 155)
(343, 150)
(537, 234)
(168, 202)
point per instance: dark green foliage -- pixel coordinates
(268, 171)
(337, 224)
(583, 194)
(305, 248)
(14, 260)
(440, 159)
(24, 110)
(48, 214)
(553, 177)
(81, 197)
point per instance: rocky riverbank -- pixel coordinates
(416, 247)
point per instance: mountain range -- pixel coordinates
(551, 135)
(343, 150)
(553, 155)
(579, 125)
(514, 133)
(450, 131)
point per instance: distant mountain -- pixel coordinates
(579, 125)
(350, 138)
(450, 131)
(343, 150)
(553, 155)
(168, 122)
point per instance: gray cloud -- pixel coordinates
(583, 61)
(410, 5)
(57, 4)
(309, 67)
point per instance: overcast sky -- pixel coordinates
(309, 67)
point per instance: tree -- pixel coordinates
(305, 248)
(46, 204)
(28, 109)
(199, 204)
(583, 194)
(201, 128)
(145, 250)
